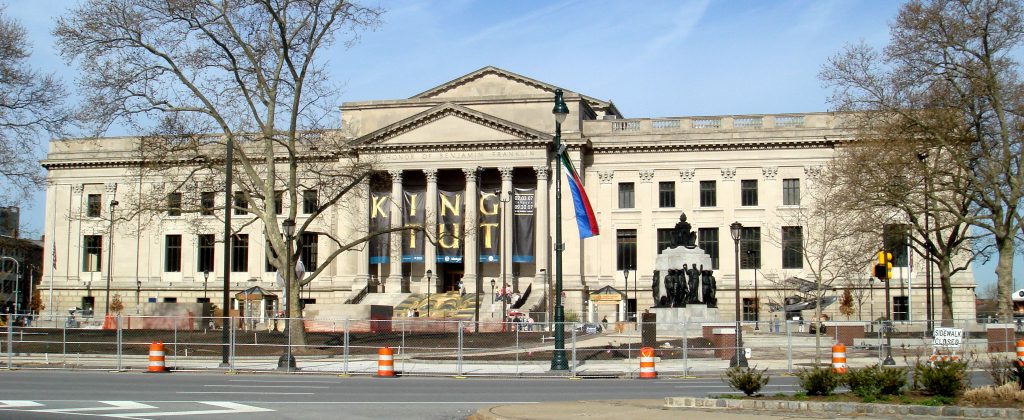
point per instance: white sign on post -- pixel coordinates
(948, 338)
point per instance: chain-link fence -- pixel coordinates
(464, 347)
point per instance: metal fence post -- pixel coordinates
(10, 340)
(64, 344)
(120, 343)
(789, 348)
(459, 350)
(344, 350)
(574, 349)
(686, 345)
(517, 352)
(231, 342)
(175, 360)
(289, 343)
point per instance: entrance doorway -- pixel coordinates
(451, 280)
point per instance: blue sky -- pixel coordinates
(652, 58)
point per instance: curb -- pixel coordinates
(846, 408)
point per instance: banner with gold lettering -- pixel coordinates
(413, 215)
(489, 236)
(380, 220)
(450, 208)
(523, 225)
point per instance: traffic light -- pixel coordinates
(883, 270)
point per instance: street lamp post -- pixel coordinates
(492, 298)
(206, 278)
(929, 297)
(740, 358)
(225, 334)
(429, 273)
(625, 276)
(110, 254)
(558, 359)
(287, 361)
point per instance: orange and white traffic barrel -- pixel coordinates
(156, 357)
(839, 358)
(647, 363)
(385, 362)
(1020, 352)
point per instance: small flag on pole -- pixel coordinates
(53, 255)
(585, 218)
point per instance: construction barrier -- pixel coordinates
(156, 357)
(839, 358)
(385, 362)
(647, 363)
(1020, 352)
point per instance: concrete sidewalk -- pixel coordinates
(627, 409)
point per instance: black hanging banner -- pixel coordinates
(523, 225)
(449, 226)
(380, 219)
(489, 241)
(412, 215)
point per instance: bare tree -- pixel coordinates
(948, 84)
(824, 233)
(208, 79)
(31, 103)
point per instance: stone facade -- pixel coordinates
(640, 174)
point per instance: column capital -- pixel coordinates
(606, 177)
(431, 174)
(770, 172)
(506, 173)
(471, 173)
(687, 174)
(77, 188)
(542, 172)
(396, 175)
(646, 175)
(111, 187)
(728, 173)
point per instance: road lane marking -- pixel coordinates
(282, 382)
(115, 405)
(227, 408)
(246, 392)
(267, 386)
(18, 403)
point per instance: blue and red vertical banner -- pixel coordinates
(585, 218)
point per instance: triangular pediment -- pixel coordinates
(607, 291)
(450, 123)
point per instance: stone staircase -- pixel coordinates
(447, 305)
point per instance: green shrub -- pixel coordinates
(937, 401)
(746, 379)
(944, 379)
(875, 381)
(819, 381)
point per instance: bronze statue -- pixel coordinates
(694, 296)
(708, 282)
(682, 235)
(656, 289)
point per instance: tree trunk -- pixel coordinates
(296, 328)
(946, 282)
(1004, 276)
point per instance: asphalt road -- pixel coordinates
(38, 394)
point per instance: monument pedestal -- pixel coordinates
(684, 321)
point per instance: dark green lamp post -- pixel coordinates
(558, 360)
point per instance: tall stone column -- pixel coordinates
(363, 266)
(430, 251)
(394, 278)
(542, 248)
(471, 256)
(506, 226)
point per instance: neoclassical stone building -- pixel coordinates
(488, 135)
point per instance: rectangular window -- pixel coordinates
(308, 251)
(666, 194)
(664, 239)
(791, 192)
(203, 300)
(707, 239)
(240, 204)
(206, 203)
(750, 312)
(92, 253)
(174, 204)
(310, 202)
(708, 194)
(278, 202)
(170, 300)
(626, 195)
(792, 247)
(896, 241)
(750, 248)
(240, 253)
(172, 253)
(625, 249)
(748, 192)
(205, 257)
(900, 308)
(94, 204)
